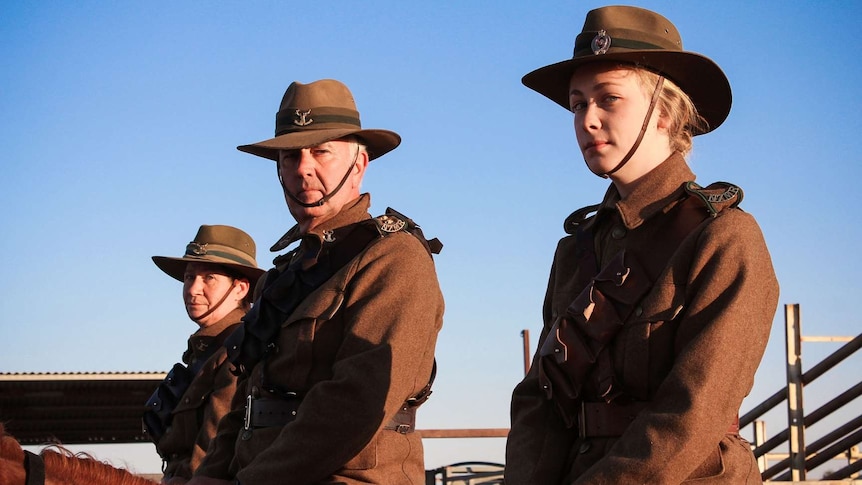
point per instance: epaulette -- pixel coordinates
(715, 197)
(575, 219)
(393, 221)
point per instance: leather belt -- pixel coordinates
(603, 420)
(265, 413)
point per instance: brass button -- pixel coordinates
(618, 232)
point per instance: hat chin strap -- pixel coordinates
(217, 305)
(653, 101)
(325, 197)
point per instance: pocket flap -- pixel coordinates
(321, 304)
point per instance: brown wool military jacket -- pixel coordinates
(356, 348)
(689, 351)
(207, 399)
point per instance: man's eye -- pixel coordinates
(579, 106)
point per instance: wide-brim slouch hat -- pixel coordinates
(632, 35)
(222, 245)
(317, 112)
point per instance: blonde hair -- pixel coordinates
(677, 106)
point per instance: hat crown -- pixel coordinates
(321, 105)
(629, 28)
(226, 238)
(318, 94)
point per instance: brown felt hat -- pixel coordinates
(318, 112)
(222, 245)
(637, 36)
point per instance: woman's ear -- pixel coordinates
(663, 120)
(242, 287)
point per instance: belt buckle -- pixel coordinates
(248, 403)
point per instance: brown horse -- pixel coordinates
(58, 465)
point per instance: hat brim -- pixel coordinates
(698, 76)
(176, 268)
(378, 142)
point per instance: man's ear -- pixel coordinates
(360, 166)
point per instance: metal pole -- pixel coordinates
(525, 336)
(795, 413)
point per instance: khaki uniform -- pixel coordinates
(207, 399)
(354, 350)
(687, 353)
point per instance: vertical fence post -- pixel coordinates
(525, 336)
(795, 413)
(759, 439)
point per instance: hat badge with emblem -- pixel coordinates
(601, 42)
(302, 118)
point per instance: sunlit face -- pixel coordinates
(609, 104)
(314, 172)
(205, 286)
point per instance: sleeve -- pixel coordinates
(393, 309)
(731, 297)
(216, 462)
(538, 441)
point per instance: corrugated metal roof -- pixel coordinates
(76, 408)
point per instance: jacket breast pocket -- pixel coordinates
(308, 340)
(322, 304)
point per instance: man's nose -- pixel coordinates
(304, 162)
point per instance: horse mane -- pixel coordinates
(11, 459)
(61, 466)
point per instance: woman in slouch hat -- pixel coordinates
(219, 273)
(660, 298)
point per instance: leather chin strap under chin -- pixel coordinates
(223, 299)
(325, 197)
(637, 143)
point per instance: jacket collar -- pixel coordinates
(652, 194)
(352, 212)
(201, 341)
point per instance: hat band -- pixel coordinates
(198, 251)
(584, 45)
(289, 120)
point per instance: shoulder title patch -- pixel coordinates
(390, 223)
(717, 196)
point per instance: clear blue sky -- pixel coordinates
(120, 121)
